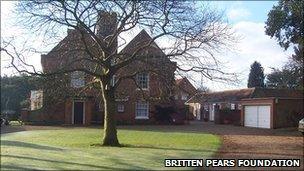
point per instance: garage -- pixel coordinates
(257, 116)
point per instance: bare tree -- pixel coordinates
(192, 33)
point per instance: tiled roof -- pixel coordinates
(237, 95)
(277, 93)
(142, 39)
(185, 85)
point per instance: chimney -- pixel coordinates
(105, 27)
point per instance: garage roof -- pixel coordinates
(239, 94)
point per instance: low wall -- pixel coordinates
(227, 116)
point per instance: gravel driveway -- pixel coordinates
(250, 143)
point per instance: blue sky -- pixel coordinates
(256, 10)
(247, 19)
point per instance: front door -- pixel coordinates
(78, 112)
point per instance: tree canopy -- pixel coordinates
(256, 75)
(15, 91)
(285, 23)
(291, 75)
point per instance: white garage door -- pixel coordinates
(257, 116)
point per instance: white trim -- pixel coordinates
(122, 109)
(83, 117)
(142, 117)
(148, 81)
(122, 99)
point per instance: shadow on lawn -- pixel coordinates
(56, 161)
(167, 148)
(8, 167)
(28, 145)
(156, 148)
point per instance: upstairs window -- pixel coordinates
(184, 96)
(142, 80)
(77, 79)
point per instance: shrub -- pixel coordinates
(162, 114)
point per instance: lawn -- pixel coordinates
(74, 149)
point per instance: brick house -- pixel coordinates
(183, 91)
(252, 107)
(136, 98)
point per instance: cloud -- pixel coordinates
(254, 45)
(238, 13)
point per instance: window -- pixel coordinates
(113, 80)
(120, 108)
(142, 110)
(184, 96)
(239, 106)
(232, 106)
(206, 107)
(100, 106)
(142, 80)
(77, 79)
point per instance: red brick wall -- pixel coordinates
(288, 112)
(127, 88)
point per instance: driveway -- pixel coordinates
(238, 142)
(254, 143)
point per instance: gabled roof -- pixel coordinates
(237, 95)
(142, 38)
(185, 85)
(73, 38)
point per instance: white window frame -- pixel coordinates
(113, 80)
(77, 79)
(239, 106)
(139, 106)
(138, 81)
(184, 96)
(100, 106)
(232, 106)
(120, 108)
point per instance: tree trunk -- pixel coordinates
(110, 131)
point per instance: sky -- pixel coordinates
(247, 19)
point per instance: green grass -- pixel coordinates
(73, 149)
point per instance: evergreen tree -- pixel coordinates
(256, 75)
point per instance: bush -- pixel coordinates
(163, 114)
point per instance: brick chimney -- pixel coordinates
(106, 26)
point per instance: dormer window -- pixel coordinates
(77, 79)
(142, 80)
